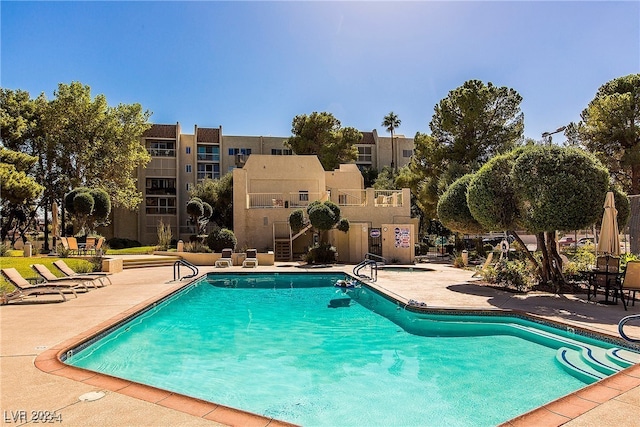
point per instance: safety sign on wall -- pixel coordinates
(402, 237)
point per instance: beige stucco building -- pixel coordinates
(180, 160)
(268, 188)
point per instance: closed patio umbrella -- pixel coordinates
(609, 242)
(54, 223)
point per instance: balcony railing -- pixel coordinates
(162, 152)
(355, 197)
(388, 198)
(282, 200)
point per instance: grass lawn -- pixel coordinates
(23, 266)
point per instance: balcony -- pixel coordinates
(355, 197)
(162, 152)
(282, 200)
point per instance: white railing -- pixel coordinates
(355, 197)
(281, 200)
(388, 198)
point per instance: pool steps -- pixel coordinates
(587, 362)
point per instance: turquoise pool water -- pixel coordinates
(278, 346)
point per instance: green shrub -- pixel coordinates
(321, 254)
(164, 236)
(4, 249)
(121, 243)
(197, 247)
(511, 274)
(296, 220)
(220, 239)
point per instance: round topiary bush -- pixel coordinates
(220, 239)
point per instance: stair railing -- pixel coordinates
(621, 327)
(364, 263)
(176, 270)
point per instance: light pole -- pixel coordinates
(546, 136)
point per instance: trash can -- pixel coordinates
(27, 250)
(465, 257)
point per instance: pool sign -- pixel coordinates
(402, 237)
(374, 233)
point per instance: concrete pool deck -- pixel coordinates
(31, 333)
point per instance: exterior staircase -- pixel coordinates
(149, 261)
(282, 250)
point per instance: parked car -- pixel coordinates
(586, 241)
(566, 241)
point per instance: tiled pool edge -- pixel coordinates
(555, 413)
(51, 361)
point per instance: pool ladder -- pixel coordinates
(621, 327)
(176, 270)
(373, 265)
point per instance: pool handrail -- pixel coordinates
(374, 269)
(621, 324)
(176, 270)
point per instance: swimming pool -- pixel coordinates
(276, 345)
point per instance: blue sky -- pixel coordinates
(252, 66)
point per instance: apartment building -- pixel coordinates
(180, 160)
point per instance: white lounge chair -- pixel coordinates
(225, 260)
(251, 259)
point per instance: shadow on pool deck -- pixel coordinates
(35, 329)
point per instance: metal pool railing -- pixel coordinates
(621, 327)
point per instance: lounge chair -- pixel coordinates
(251, 259)
(225, 260)
(631, 281)
(68, 272)
(49, 277)
(25, 289)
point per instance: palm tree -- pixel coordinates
(391, 121)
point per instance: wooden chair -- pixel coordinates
(631, 281)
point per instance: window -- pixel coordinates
(234, 151)
(407, 153)
(304, 196)
(364, 154)
(187, 168)
(208, 171)
(160, 205)
(281, 152)
(189, 186)
(188, 150)
(160, 148)
(162, 186)
(208, 153)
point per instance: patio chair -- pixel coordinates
(69, 272)
(72, 243)
(90, 245)
(64, 243)
(25, 289)
(485, 265)
(631, 281)
(49, 277)
(605, 276)
(251, 259)
(97, 250)
(225, 260)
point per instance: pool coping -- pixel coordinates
(554, 413)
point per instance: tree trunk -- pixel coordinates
(555, 262)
